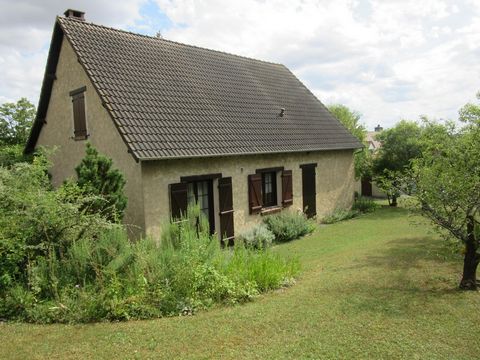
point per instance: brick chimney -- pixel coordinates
(75, 14)
(378, 128)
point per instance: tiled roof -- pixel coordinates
(171, 100)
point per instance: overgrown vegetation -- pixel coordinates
(63, 263)
(289, 225)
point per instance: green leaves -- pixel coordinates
(351, 120)
(96, 176)
(16, 120)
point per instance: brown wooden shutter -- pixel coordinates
(287, 193)
(178, 200)
(79, 119)
(225, 197)
(255, 193)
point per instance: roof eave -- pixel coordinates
(47, 85)
(142, 159)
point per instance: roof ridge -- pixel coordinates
(63, 18)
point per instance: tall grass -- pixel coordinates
(111, 278)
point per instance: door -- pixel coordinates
(200, 192)
(309, 190)
(366, 187)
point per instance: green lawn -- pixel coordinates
(372, 287)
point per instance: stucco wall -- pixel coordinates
(58, 131)
(334, 182)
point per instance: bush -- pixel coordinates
(97, 177)
(257, 237)
(364, 205)
(289, 225)
(340, 215)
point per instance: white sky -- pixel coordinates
(388, 59)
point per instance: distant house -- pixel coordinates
(241, 137)
(365, 186)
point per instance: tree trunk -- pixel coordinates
(394, 201)
(471, 260)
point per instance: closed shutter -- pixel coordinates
(287, 193)
(79, 119)
(255, 193)
(178, 200)
(226, 210)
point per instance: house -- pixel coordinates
(365, 186)
(242, 137)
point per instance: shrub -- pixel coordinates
(289, 225)
(97, 177)
(257, 237)
(340, 215)
(364, 205)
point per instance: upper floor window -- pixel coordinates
(79, 114)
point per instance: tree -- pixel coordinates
(97, 177)
(16, 120)
(447, 182)
(351, 120)
(400, 145)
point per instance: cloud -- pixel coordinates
(25, 32)
(387, 59)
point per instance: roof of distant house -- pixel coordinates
(373, 144)
(170, 100)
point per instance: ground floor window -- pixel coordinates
(201, 193)
(269, 188)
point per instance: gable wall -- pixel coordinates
(58, 131)
(334, 182)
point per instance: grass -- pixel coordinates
(373, 287)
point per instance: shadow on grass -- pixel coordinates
(411, 252)
(404, 278)
(385, 212)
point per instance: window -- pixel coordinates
(266, 194)
(79, 114)
(200, 192)
(269, 188)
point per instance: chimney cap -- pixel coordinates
(76, 14)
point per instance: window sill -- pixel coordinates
(80, 138)
(271, 210)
